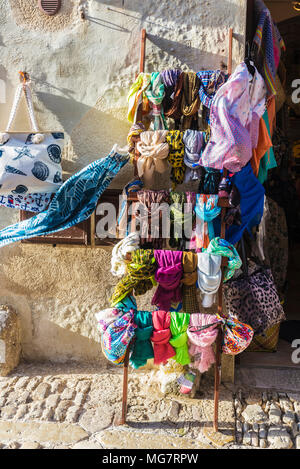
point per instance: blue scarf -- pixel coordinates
(74, 201)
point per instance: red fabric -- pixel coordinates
(161, 336)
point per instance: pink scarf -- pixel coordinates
(200, 342)
(161, 336)
(168, 275)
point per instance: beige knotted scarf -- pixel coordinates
(153, 151)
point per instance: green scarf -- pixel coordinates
(140, 275)
(142, 347)
(156, 93)
(179, 324)
(221, 247)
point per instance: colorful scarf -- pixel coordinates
(119, 253)
(210, 82)
(109, 315)
(142, 347)
(137, 96)
(125, 216)
(175, 110)
(189, 279)
(176, 156)
(161, 336)
(117, 338)
(140, 275)
(73, 203)
(150, 210)
(132, 137)
(206, 210)
(169, 78)
(153, 153)
(190, 102)
(201, 340)
(168, 276)
(155, 93)
(221, 247)
(194, 142)
(210, 180)
(178, 327)
(182, 218)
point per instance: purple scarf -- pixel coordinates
(168, 275)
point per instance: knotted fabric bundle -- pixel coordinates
(140, 275)
(181, 217)
(169, 78)
(136, 96)
(221, 247)
(155, 94)
(189, 279)
(176, 156)
(161, 336)
(206, 210)
(190, 102)
(209, 183)
(134, 132)
(117, 338)
(210, 82)
(153, 153)
(109, 315)
(175, 110)
(194, 142)
(119, 253)
(179, 325)
(168, 275)
(142, 347)
(149, 218)
(200, 341)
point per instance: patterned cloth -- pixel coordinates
(221, 247)
(74, 201)
(200, 341)
(176, 155)
(267, 46)
(136, 96)
(211, 81)
(155, 94)
(181, 218)
(29, 202)
(206, 210)
(234, 121)
(117, 337)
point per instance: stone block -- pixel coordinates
(10, 340)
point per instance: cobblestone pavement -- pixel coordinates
(66, 406)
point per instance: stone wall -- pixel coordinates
(82, 70)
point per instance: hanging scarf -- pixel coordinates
(194, 142)
(118, 256)
(161, 336)
(210, 82)
(190, 102)
(181, 218)
(117, 338)
(178, 327)
(136, 96)
(209, 277)
(155, 93)
(168, 275)
(176, 156)
(133, 135)
(153, 153)
(73, 203)
(189, 279)
(175, 110)
(142, 347)
(140, 275)
(109, 315)
(209, 183)
(201, 341)
(125, 218)
(169, 78)
(221, 247)
(206, 210)
(149, 218)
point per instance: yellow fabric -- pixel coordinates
(137, 95)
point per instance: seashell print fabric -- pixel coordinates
(27, 168)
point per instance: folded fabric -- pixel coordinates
(168, 276)
(155, 93)
(29, 202)
(134, 133)
(74, 201)
(109, 315)
(117, 337)
(176, 156)
(118, 256)
(178, 327)
(136, 96)
(210, 82)
(206, 209)
(268, 160)
(252, 204)
(125, 215)
(169, 78)
(161, 336)
(200, 341)
(221, 247)
(181, 218)
(190, 101)
(189, 279)
(140, 276)
(194, 142)
(210, 180)
(153, 153)
(209, 276)
(234, 121)
(142, 348)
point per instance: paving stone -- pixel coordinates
(57, 386)
(80, 398)
(286, 404)
(72, 414)
(87, 444)
(33, 383)
(47, 414)
(52, 401)
(2, 401)
(297, 407)
(36, 410)
(279, 438)
(254, 439)
(253, 398)
(94, 420)
(263, 444)
(298, 442)
(61, 410)
(220, 438)
(289, 418)
(247, 439)
(43, 432)
(22, 383)
(31, 445)
(21, 411)
(8, 412)
(254, 414)
(83, 386)
(263, 432)
(275, 414)
(173, 411)
(68, 394)
(42, 391)
(130, 439)
(13, 445)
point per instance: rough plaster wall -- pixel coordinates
(81, 72)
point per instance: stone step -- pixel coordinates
(281, 378)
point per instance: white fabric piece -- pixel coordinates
(209, 276)
(28, 202)
(118, 257)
